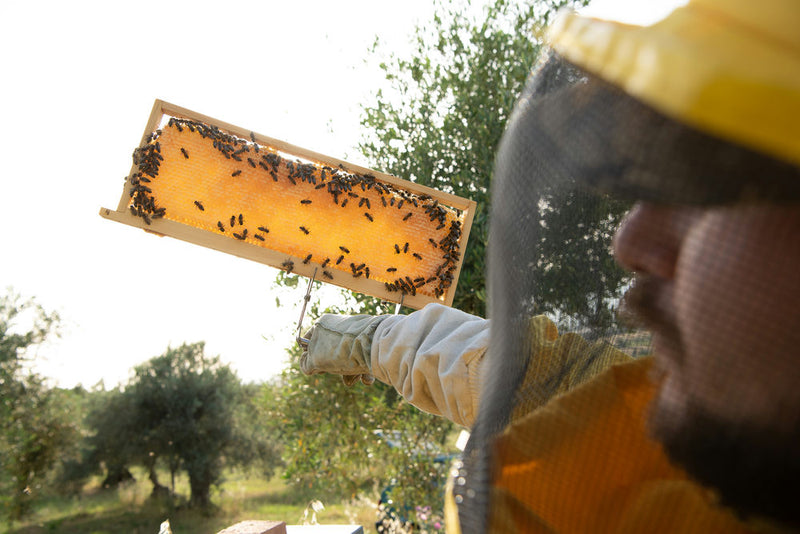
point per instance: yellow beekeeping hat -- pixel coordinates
(730, 68)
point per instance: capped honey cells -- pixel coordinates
(199, 175)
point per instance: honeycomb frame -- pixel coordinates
(406, 289)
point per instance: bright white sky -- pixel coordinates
(79, 80)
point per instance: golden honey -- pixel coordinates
(348, 223)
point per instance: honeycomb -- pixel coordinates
(347, 223)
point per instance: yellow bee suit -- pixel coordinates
(583, 462)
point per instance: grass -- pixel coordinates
(129, 509)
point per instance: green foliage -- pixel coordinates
(332, 435)
(580, 281)
(112, 445)
(186, 410)
(440, 121)
(35, 427)
(331, 443)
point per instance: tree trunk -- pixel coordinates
(200, 484)
(159, 490)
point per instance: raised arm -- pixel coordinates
(431, 356)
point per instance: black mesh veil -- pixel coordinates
(577, 155)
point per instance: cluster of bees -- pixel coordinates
(342, 186)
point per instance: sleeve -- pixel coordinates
(432, 358)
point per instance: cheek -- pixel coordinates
(737, 297)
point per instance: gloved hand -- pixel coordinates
(341, 344)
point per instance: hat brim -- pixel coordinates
(697, 67)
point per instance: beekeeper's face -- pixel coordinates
(720, 289)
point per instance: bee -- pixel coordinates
(252, 137)
(366, 272)
(304, 230)
(320, 185)
(344, 249)
(391, 269)
(305, 201)
(339, 259)
(344, 202)
(264, 229)
(358, 268)
(396, 248)
(220, 226)
(199, 205)
(407, 216)
(263, 165)
(417, 256)
(288, 265)
(405, 247)
(327, 275)
(383, 200)
(259, 237)
(433, 242)
(251, 162)
(308, 259)
(274, 175)
(233, 220)
(236, 172)
(241, 236)
(185, 154)
(400, 204)
(368, 216)
(326, 262)
(361, 202)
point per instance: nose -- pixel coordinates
(649, 239)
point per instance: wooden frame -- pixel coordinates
(165, 227)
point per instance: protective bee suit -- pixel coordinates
(695, 122)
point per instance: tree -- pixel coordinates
(579, 279)
(113, 444)
(439, 123)
(188, 411)
(34, 427)
(334, 435)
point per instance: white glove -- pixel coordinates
(340, 344)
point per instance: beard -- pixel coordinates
(754, 468)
